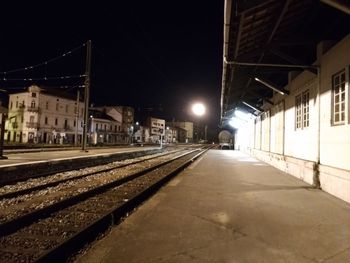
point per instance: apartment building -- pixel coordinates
(44, 115)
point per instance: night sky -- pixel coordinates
(152, 55)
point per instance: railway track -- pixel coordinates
(52, 232)
(51, 180)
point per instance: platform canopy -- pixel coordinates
(265, 40)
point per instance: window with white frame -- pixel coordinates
(338, 98)
(298, 112)
(302, 110)
(306, 117)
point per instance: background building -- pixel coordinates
(188, 127)
(157, 129)
(44, 115)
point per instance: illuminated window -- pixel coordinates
(338, 98)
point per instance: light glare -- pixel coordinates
(198, 109)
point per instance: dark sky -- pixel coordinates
(146, 54)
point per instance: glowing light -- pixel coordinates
(243, 115)
(198, 109)
(236, 123)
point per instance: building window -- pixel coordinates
(75, 123)
(31, 119)
(302, 118)
(96, 128)
(66, 124)
(11, 105)
(32, 104)
(306, 118)
(47, 105)
(56, 121)
(67, 108)
(298, 112)
(22, 119)
(105, 127)
(338, 98)
(34, 95)
(46, 120)
(57, 106)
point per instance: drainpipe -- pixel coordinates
(316, 176)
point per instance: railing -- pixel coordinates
(33, 109)
(34, 125)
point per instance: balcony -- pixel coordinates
(33, 125)
(33, 109)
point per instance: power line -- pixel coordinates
(43, 63)
(44, 78)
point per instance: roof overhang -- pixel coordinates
(268, 39)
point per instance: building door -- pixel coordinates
(31, 137)
(45, 138)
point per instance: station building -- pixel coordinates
(293, 78)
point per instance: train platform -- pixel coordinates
(229, 207)
(14, 159)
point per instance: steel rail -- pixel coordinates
(14, 225)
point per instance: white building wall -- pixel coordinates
(265, 131)
(296, 151)
(335, 138)
(301, 142)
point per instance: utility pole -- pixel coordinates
(2, 134)
(86, 92)
(77, 119)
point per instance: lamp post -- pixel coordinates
(198, 109)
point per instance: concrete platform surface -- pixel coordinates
(30, 157)
(229, 207)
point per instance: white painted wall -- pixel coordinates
(301, 143)
(335, 140)
(295, 151)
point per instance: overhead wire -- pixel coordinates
(44, 62)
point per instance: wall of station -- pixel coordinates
(307, 133)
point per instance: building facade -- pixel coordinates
(44, 116)
(306, 133)
(188, 126)
(157, 129)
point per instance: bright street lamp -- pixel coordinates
(198, 109)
